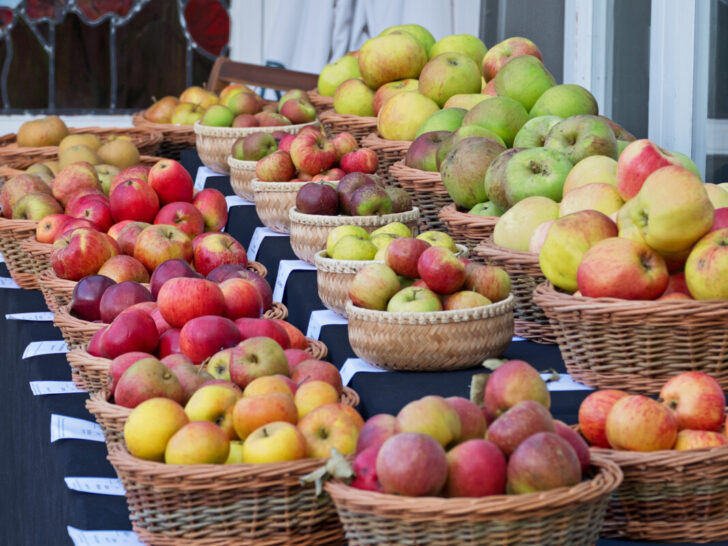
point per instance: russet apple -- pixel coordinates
(463, 170)
(638, 423)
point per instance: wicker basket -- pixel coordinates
(609, 343)
(175, 138)
(358, 126)
(469, 229)
(147, 142)
(525, 274)
(19, 263)
(242, 174)
(273, 202)
(567, 515)
(427, 191)
(431, 341)
(320, 102)
(214, 143)
(388, 153)
(310, 231)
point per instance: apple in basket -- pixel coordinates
(472, 420)
(86, 297)
(131, 330)
(518, 423)
(251, 413)
(168, 270)
(697, 400)
(317, 198)
(159, 243)
(144, 379)
(363, 160)
(150, 425)
(376, 430)
(431, 415)
(441, 270)
(171, 181)
(593, 413)
(276, 167)
(217, 249)
(204, 336)
(295, 357)
(312, 395)
(134, 200)
(270, 384)
(411, 464)
(213, 206)
(121, 363)
(121, 296)
(182, 299)
(182, 215)
(476, 468)
(256, 327)
(542, 462)
(50, 226)
(81, 253)
(373, 286)
(638, 423)
(697, 439)
(127, 235)
(242, 299)
(490, 281)
(636, 162)
(73, 178)
(16, 188)
(224, 272)
(312, 153)
(706, 266)
(198, 442)
(273, 443)
(256, 357)
(512, 382)
(327, 427)
(317, 370)
(581, 448)
(344, 143)
(498, 55)
(122, 268)
(94, 208)
(403, 253)
(214, 403)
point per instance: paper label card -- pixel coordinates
(237, 201)
(7, 282)
(202, 175)
(39, 316)
(322, 318)
(41, 388)
(97, 486)
(285, 268)
(353, 366)
(71, 428)
(40, 348)
(80, 537)
(256, 240)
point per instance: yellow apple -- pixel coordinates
(236, 452)
(252, 413)
(515, 227)
(328, 427)
(150, 426)
(268, 384)
(595, 168)
(717, 195)
(313, 394)
(342, 231)
(402, 115)
(398, 229)
(214, 403)
(465, 100)
(598, 196)
(198, 442)
(274, 443)
(431, 415)
(696, 439)
(438, 238)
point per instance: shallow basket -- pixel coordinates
(388, 153)
(427, 191)
(175, 138)
(310, 231)
(273, 202)
(563, 516)
(431, 341)
(214, 143)
(470, 229)
(320, 102)
(19, 263)
(610, 343)
(358, 126)
(242, 174)
(525, 273)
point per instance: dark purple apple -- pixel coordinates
(370, 201)
(317, 198)
(401, 200)
(86, 296)
(349, 184)
(122, 296)
(228, 271)
(422, 153)
(224, 272)
(169, 270)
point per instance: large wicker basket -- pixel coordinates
(609, 343)
(175, 138)
(273, 202)
(388, 153)
(310, 231)
(427, 191)
(214, 143)
(358, 126)
(469, 229)
(146, 141)
(563, 516)
(525, 273)
(320, 102)
(242, 174)
(431, 341)
(20, 264)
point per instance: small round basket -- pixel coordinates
(320, 102)
(388, 153)
(563, 516)
(214, 143)
(310, 231)
(610, 343)
(525, 273)
(427, 191)
(20, 264)
(431, 341)
(469, 229)
(242, 174)
(273, 202)
(358, 126)
(175, 138)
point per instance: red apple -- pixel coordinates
(182, 215)
(698, 439)
(50, 226)
(204, 336)
(228, 271)
(256, 357)
(413, 465)
(441, 270)
(162, 325)
(73, 224)
(157, 244)
(317, 370)
(134, 200)
(518, 423)
(542, 462)
(121, 363)
(276, 167)
(476, 468)
(344, 143)
(295, 357)
(242, 299)
(127, 237)
(638, 423)
(131, 330)
(140, 172)
(490, 281)
(169, 270)
(94, 344)
(182, 299)
(81, 253)
(365, 470)
(217, 249)
(121, 296)
(636, 162)
(376, 430)
(171, 181)
(577, 442)
(255, 327)
(86, 297)
(93, 208)
(73, 178)
(285, 143)
(721, 219)
(363, 160)
(295, 336)
(124, 268)
(676, 284)
(312, 153)
(211, 203)
(697, 400)
(145, 379)
(169, 343)
(403, 255)
(116, 228)
(175, 359)
(512, 382)
(504, 51)
(472, 420)
(593, 413)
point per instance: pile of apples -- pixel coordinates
(419, 277)
(358, 244)
(309, 155)
(510, 445)
(689, 414)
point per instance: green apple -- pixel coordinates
(595, 169)
(467, 44)
(621, 145)
(536, 171)
(404, 282)
(688, 163)
(447, 119)
(449, 74)
(420, 33)
(414, 299)
(354, 97)
(398, 229)
(523, 78)
(465, 100)
(401, 116)
(565, 100)
(106, 175)
(534, 131)
(333, 74)
(488, 208)
(218, 115)
(342, 231)
(391, 57)
(438, 238)
(502, 115)
(382, 240)
(351, 247)
(495, 178)
(381, 255)
(516, 226)
(463, 170)
(469, 131)
(578, 137)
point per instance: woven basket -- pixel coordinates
(175, 138)
(310, 231)
(358, 126)
(19, 263)
(242, 174)
(388, 153)
(610, 343)
(273, 202)
(320, 102)
(431, 341)
(146, 141)
(427, 191)
(40, 253)
(525, 274)
(567, 515)
(214, 143)
(469, 229)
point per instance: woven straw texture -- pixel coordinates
(388, 153)
(431, 341)
(242, 174)
(146, 141)
(20, 264)
(567, 515)
(320, 102)
(214, 143)
(310, 231)
(525, 273)
(358, 126)
(427, 191)
(273, 201)
(175, 138)
(609, 343)
(40, 253)
(468, 229)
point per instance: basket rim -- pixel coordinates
(140, 120)
(332, 115)
(374, 141)
(430, 317)
(323, 220)
(522, 256)
(229, 132)
(330, 265)
(400, 166)
(10, 224)
(450, 213)
(262, 186)
(509, 507)
(243, 165)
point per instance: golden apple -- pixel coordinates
(150, 425)
(274, 443)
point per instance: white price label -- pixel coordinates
(97, 486)
(39, 348)
(285, 268)
(256, 240)
(80, 537)
(7, 282)
(203, 173)
(41, 388)
(319, 319)
(237, 201)
(2, 259)
(353, 366)
(40, 316)
(518, 338)
(71, 428)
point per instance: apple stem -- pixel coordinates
(265, 432)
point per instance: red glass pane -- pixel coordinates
(209, 24)
(94, 9)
